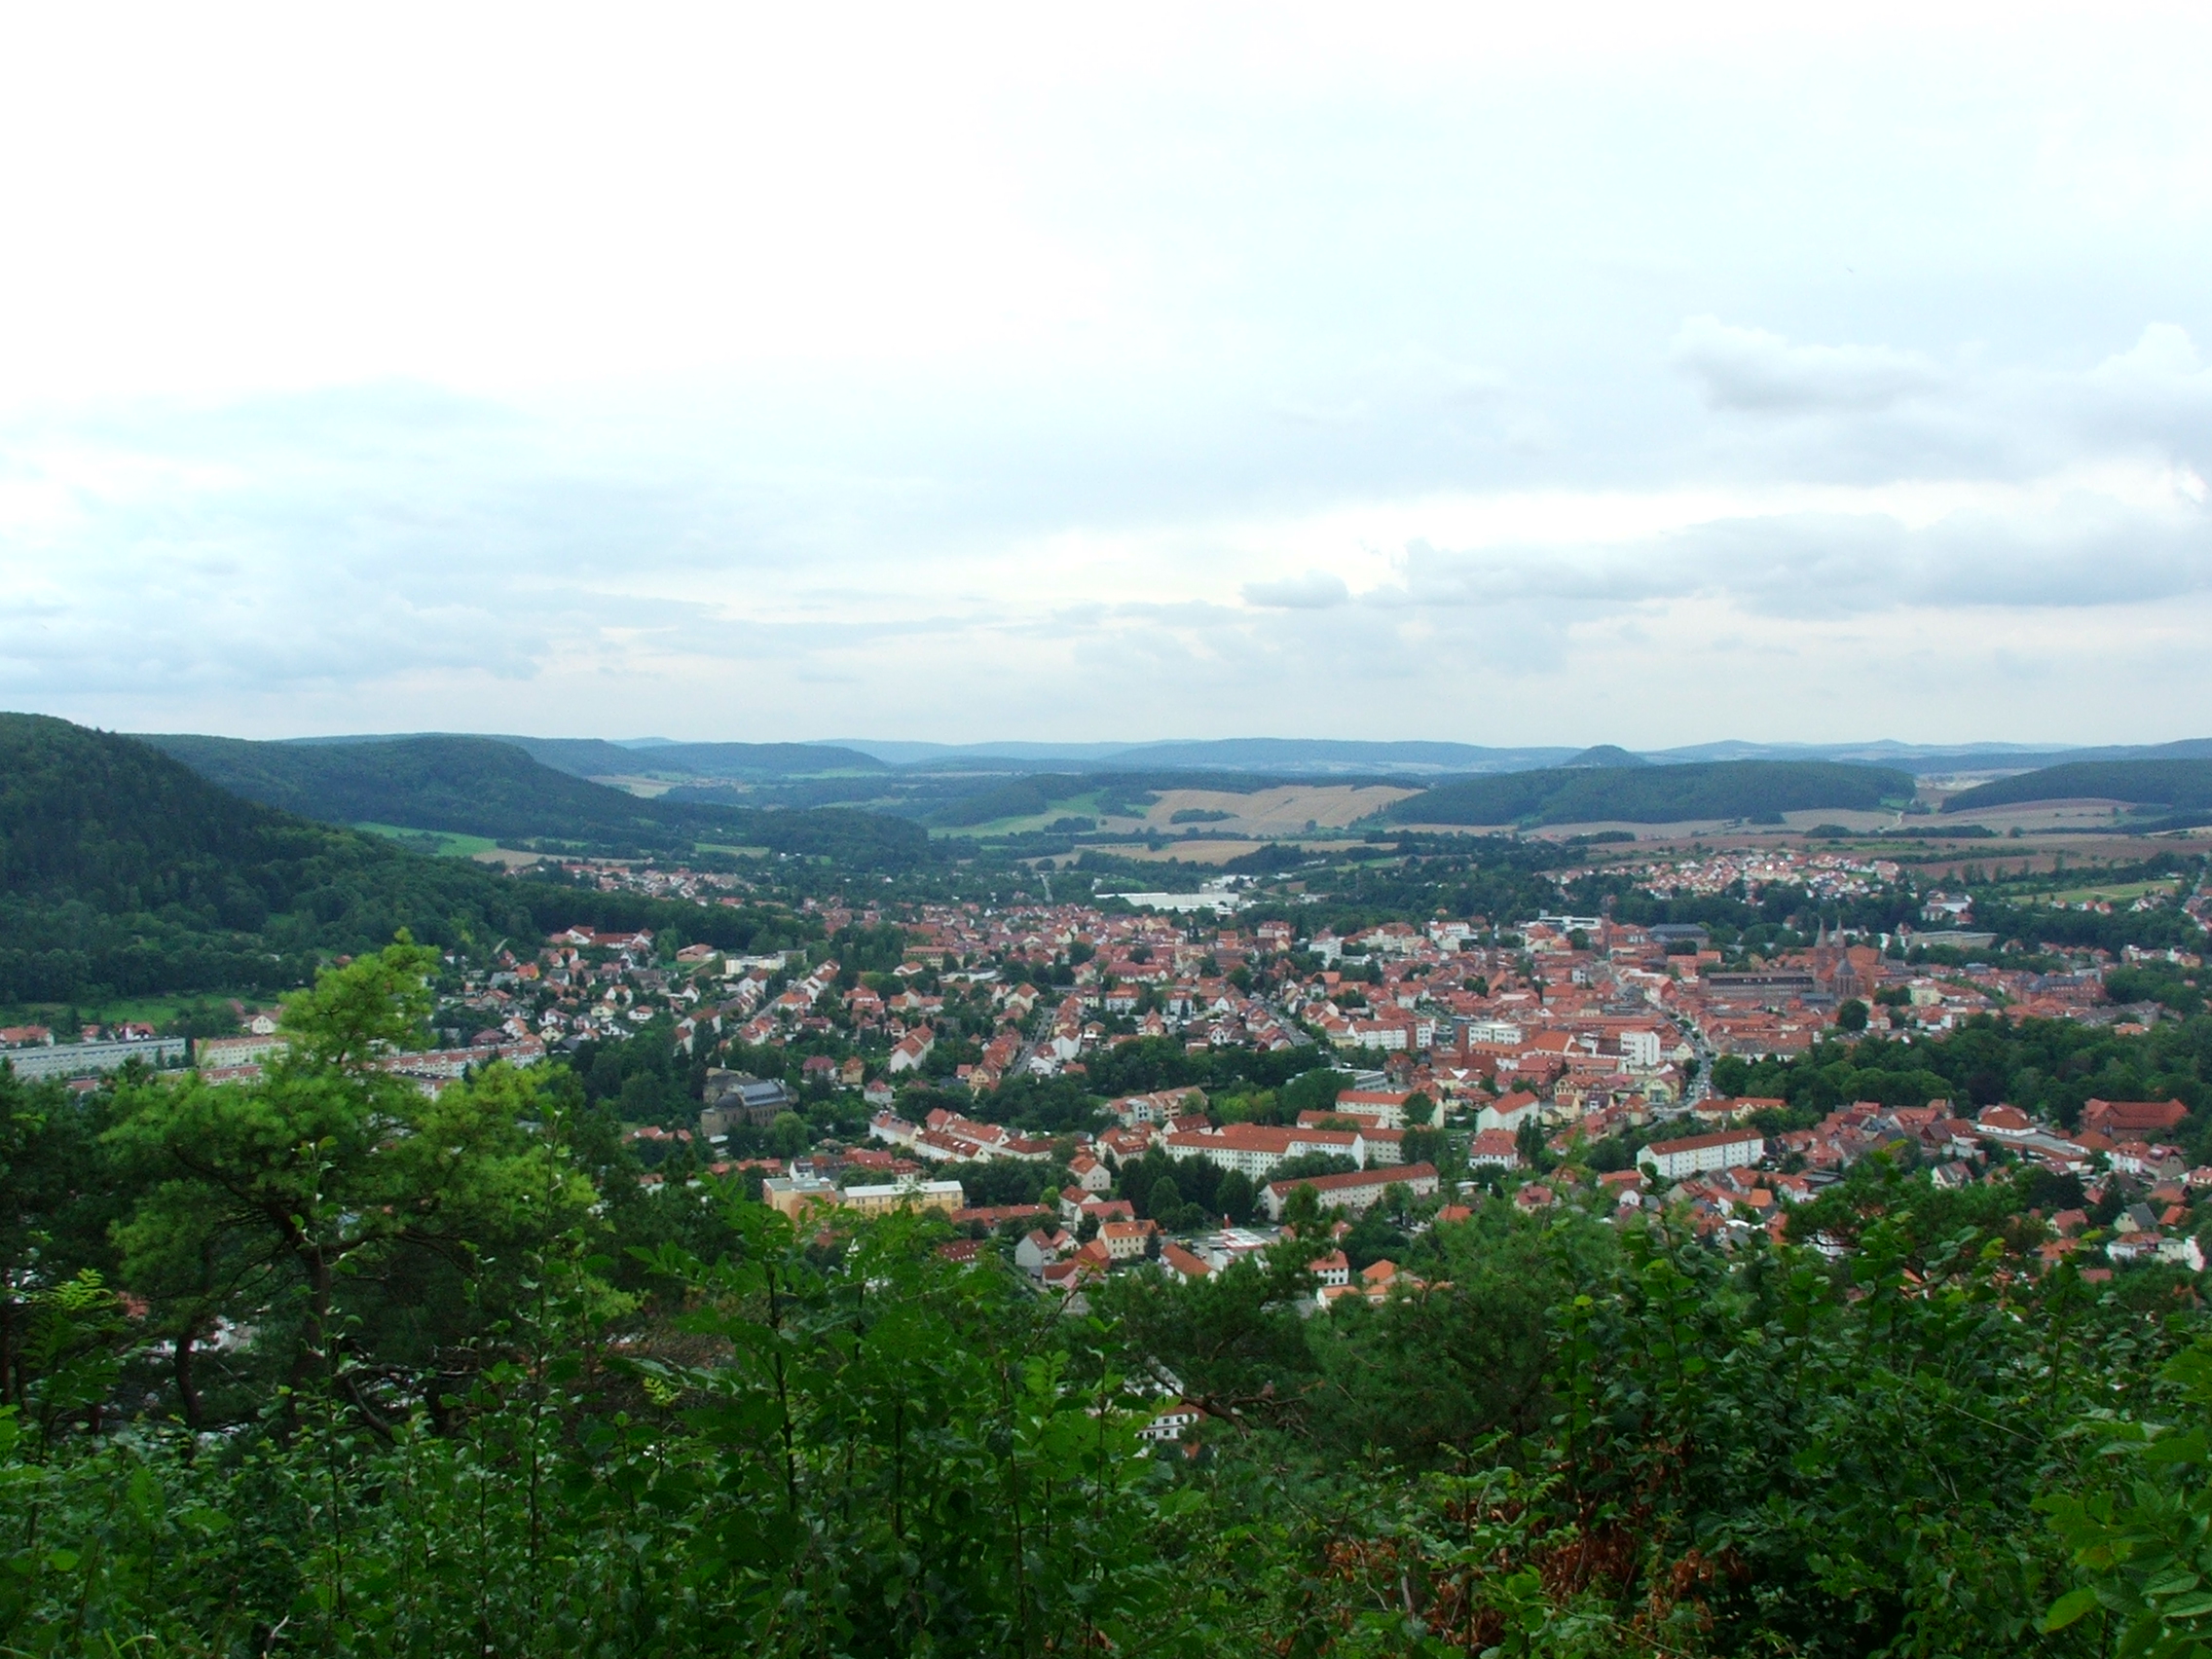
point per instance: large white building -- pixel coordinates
(1256, 1149)
(1700, 1155)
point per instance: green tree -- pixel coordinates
(322, 1196)
(789, 1135)
(1236, 1197)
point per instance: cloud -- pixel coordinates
(1316, 590)
(1752, 370)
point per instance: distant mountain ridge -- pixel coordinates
(2182, 784)
(1658, 795)
(657, 756)
(487, 786)
(1274, 757)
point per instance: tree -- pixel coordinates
(1528, 1142)
(1164, 1200)
(321, 1197)
(789, 1135)
(1852, 1016)
(1238, 1196)
(1419, 1110)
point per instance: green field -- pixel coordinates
(1075, 806)
(2123, 893)
(157, 1012)
(443, 843)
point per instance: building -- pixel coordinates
(1356, 1193)
(218, 1053)
(85, 1059)
(1172, 1422)
(1698, 1154)
(912, 1050)
(1255, 1149)
(1497, 1149)
(1125, 1241)
(1385, 1108)
(794, 1195)
(737, 1097)
(2132, 1120)
(1509, 1111)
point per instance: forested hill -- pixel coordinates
(595, 758)
(483, 786)
(1658, 795)
(2185, 785)
(125, 873)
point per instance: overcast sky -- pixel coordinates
(1635, 374)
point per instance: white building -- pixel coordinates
(1699, 1154)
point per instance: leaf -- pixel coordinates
(2068, 1609)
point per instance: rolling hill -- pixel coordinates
(126, 873)
(593, 757)
(596, 757)
(1656, 794)
(486, 785)
(2183, 786)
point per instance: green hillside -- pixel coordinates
(125, 873)
(2182, 784)
(486, 785)
(594, 757)
(122, 872)
(1657, 795)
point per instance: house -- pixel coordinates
(1170, 1422)
(1089, 1174)
(1509, 1111)
(2132, 1120)
(1125, 1241)
(1332, 1269)
(912, 1050)
(1182, 1263)
(1495, 1149)
(1039, 1249)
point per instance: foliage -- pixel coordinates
(2164, 783)
(324, 1364)
(1656, 794)
(483, 786)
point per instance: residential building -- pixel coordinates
(1698, 1154)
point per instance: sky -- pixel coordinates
(1625, 374)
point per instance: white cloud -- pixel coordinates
(1751, 369)
(1316, 590)
(723, 374)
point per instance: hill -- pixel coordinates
(1656, 794)
(1603, 755)
(2185, 785)
(594, 757)
(124, 874)
(122, 871)
(486, 785)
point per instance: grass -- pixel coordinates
(443, 843)
(2126, 892)
(157, 1012)
(1084, 806)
